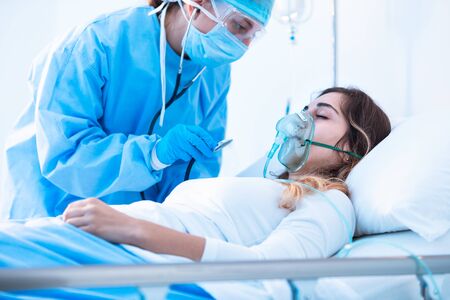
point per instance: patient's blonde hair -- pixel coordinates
(367, 126)
(296, 191)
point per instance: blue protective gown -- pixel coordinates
(84, 133)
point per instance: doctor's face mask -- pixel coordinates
(227, 41)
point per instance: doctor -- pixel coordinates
(120, 106)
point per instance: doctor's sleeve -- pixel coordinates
(74, 151)
(314, 230)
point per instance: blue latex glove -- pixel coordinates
(185, 142)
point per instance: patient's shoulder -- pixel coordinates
(333, 198)
(331, 208)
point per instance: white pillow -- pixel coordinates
(404, 182)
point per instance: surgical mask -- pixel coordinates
(225, 42)
(240, 24)
(215, 48)
(294, 138)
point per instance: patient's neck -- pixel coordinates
(303, 173)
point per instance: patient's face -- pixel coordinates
(330, 127)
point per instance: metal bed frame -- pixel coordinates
(165, 274)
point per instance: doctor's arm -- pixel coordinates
(75, 152)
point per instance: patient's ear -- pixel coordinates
(346, 157)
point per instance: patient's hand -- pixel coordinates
(94, 216)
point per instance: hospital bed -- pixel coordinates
(369, 272)
(387, 286)
(375, 270)
(150, 276)
(381, 248)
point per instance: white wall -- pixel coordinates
(396, 50)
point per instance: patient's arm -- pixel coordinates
(313, 230)
(160, 239)
(97, 218)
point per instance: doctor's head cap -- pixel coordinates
(258, 9)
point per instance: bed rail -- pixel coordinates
(164, 274)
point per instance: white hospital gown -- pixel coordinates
(241, 220)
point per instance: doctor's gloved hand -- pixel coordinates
(185, 142)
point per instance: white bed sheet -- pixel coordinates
(382, 287)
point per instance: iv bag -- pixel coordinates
(292, 11)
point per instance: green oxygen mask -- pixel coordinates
(293, 141)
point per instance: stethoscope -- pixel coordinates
(175, 96)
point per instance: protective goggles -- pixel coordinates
(242, 26)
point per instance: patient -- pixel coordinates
(218, 219)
